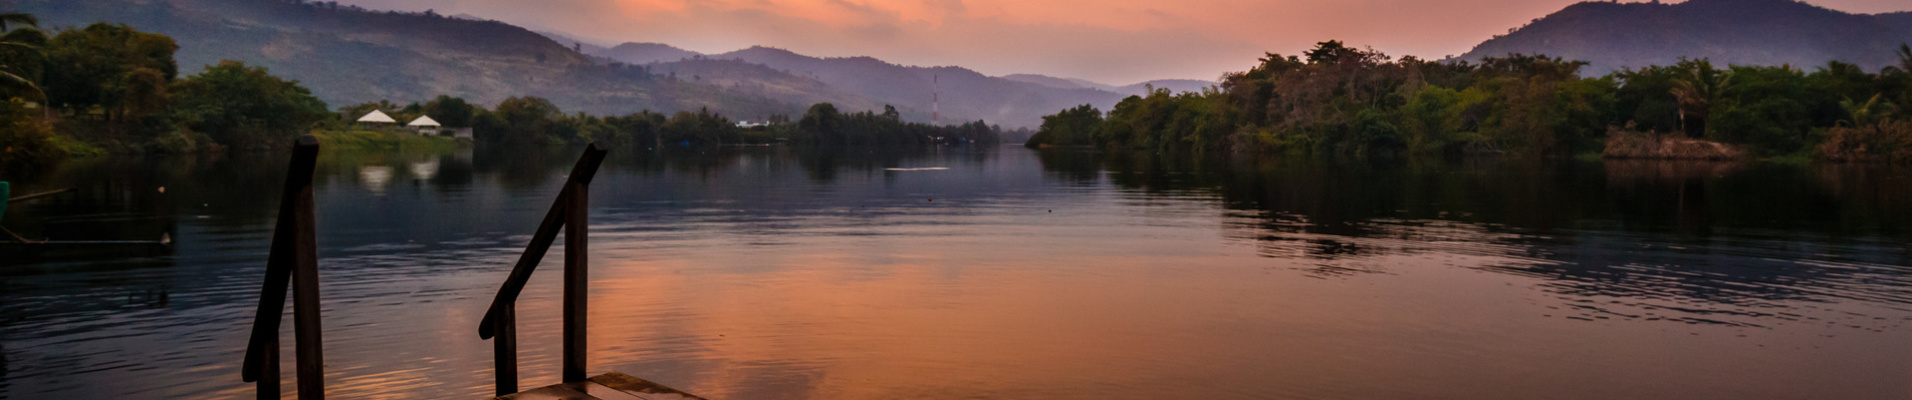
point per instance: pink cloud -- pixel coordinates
(1114, 41)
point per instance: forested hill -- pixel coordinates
(966, 95)
(1611, 36)
(348, 55)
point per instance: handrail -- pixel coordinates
(294, 257)
(569, 211)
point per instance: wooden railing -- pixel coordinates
(571, 212)
(294, 257)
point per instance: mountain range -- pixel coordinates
(348, 55)
(918, 93)
(1612, 36)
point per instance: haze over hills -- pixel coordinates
(1611, 36)
(645, 53)
(349, 56)
(964, 94)
(867, 83)
(1139, 89)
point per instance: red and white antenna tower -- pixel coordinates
(935, 101)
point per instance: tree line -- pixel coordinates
(1339, 100)
(109, 88)
(536, 121)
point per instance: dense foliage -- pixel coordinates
(237, 104)
(1342, 100)
(824, 125)
(111, 87)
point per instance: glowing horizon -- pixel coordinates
(1112, 41)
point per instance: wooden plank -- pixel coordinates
(34, 196)
(640, 387)
(609, 386)
(553, 392)
(601, 392)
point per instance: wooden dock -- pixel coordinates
(292, 263)
(611, 386)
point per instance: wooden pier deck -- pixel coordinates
(610, 386)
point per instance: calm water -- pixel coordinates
(786, 274)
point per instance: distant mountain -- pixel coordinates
(750, 79)
(1054, 82)
(1173, 86)
(348, 55)
(1612, 36)
(1139, 89)
(645, 53)
(581, 45)
(965, 95)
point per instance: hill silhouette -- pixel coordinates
(348, 55)
(1611, 36)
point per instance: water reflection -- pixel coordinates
(1695, 242)
(955, 272)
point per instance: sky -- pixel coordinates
(1108, 41)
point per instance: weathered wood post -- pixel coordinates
(294, 256)
(576, 277)
(569, 211)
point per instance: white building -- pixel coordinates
(425, 125)
(377, 117)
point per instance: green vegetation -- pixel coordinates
(1340, 100)
(109, 88)
(823, 125)
(359, 139)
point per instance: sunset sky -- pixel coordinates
(1109, 41)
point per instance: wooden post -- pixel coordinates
(269, 365)
(305, 291)
(293, 254)
(576, 279)
(505, 345)
(568, 212)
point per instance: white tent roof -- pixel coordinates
(377, 116)
(423, 121)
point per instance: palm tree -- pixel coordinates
(1695, 96)
(1905, 58)
(18, 48)
(1866, 113)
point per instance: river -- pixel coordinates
(946, 273)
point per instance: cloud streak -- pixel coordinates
(1113, 41)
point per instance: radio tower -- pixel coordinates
(935, 101)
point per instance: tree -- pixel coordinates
(21, 55)
(821, 125)
(1072, 127)
(1695, 94)
(1867, 113)
(519, 120)
(450, 111)
(98, 66)
(244, 106)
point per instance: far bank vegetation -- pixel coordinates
(1340, 100)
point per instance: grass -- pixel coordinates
(361, 140)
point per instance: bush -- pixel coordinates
(1625, 144)
(1886, 141)
(25, 139)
